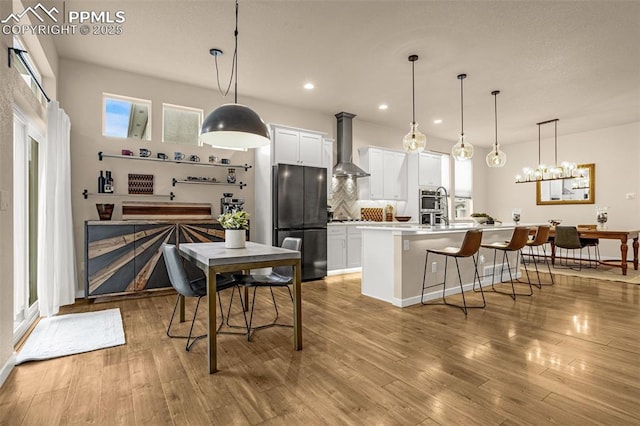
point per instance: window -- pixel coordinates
(463, 203)
(181, 125)
(125, 117)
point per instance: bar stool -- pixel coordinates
(541, 238)
(469, 248)
(518, 240)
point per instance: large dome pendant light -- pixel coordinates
(496, 158)
(414, 141)
(234, 126)
(462, 150)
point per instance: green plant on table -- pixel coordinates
(235, 220)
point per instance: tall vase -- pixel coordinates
(234, 238)
(602, 215)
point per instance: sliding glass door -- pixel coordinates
(25, 231)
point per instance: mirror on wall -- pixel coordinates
(126, 117)
(181, 125)
(575, 190)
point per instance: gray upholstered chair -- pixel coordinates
(568, 238)
(281, 276)
(195, 288)
(518, 240)
(469, 248)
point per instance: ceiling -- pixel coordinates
(578, 61)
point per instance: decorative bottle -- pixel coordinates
(108, 185)
(101, 183)
(231, 176)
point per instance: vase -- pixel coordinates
(104, 211)
(234, 238)
(602, 215)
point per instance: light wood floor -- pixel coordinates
(568, 355)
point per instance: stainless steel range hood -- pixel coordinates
(345, 166)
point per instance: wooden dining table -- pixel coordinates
(623, 236)
(215, 258)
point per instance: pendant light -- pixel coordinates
(496, 158)
(414, 141)
(462, 150)
(234, 126)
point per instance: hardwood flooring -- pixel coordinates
(568, 355)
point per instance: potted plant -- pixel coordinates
(235, 225)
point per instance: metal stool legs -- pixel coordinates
(535, 264)
(505, 259)
(465, 307)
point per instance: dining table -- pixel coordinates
(215, 258)
(623, 236)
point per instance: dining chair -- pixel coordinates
(280, 276)
(518, 241)
(539, 242)
(591, 242)
(469, 248)
(568, 238)
(195, 288)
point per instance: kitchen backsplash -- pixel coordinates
(345, 203)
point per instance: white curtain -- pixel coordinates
(57, 279)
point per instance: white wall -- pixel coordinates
(616, 154)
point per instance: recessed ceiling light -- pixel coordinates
(309, 86)
(383, 106)
(438, 121)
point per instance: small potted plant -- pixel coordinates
(235, 225)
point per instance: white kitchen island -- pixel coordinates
(393, 260)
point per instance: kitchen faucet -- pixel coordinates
(445, 204)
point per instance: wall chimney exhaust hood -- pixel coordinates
(345, 166)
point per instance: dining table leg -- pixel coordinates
(553, 252)
(635, 253)
(297, 306)
(212, 347)
(624, 248)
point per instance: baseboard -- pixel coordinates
(343, 271)
(7, 368)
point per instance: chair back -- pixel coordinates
(471, 243)
(519, 238)
(176, 272)
(542, 236)
(291, 244)
(567, 237)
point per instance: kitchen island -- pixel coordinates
(393, 260)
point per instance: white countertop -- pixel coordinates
(429, 229)
(369, 223)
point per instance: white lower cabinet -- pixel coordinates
(344, 247)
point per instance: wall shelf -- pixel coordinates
(204, 182)
(88, 194)
(102, 155)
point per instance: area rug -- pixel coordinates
(73, 334)
(602, 272)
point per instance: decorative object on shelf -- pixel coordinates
(403, 218)
(127, 152)
(108, 183)
(214, 159)
(496, 157)
(564, 170)
(235, 225)
(202, 179)
(144, 152)
(225, 161)
(178, 156)
(104, 210)
(231, 176)
(462, 150)
(515, 215)
(162, 156)
(233, 125)
(140, 184)
(101, 182)
(194, 158)
(602, 215)
(414, 141)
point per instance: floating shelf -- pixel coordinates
(204, 182)
(87, 194)
(246, 167)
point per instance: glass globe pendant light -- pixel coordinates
(462, 150)
(234, 126)
(496, 158)
(414, 141)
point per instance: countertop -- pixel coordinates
(407, 228)
(369, 223)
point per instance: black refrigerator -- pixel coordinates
(300, 210)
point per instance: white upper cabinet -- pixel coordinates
(430, 170)
(298, 147)
(388, 169)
